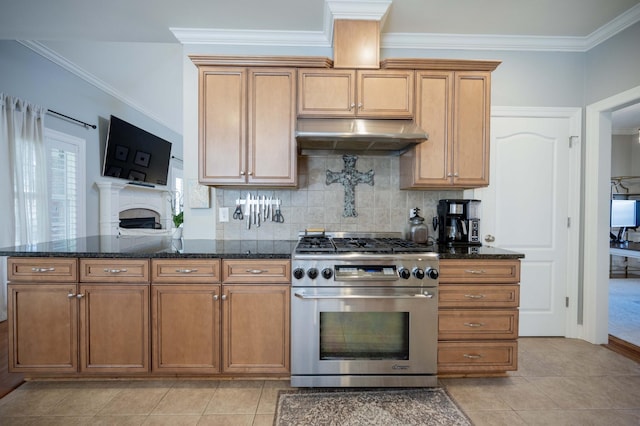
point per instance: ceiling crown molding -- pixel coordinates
(54, 57)
(251, 37)
(350, 9)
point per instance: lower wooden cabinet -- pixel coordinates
(202, 324)
(101, 326)
(477, 357)
(114, 328)
(186, 328)
(43, 328)
(478, 316)
(255, 328)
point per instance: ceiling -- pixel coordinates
(87, 34)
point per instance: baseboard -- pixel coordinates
(623, 347)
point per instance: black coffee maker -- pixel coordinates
(458, 223)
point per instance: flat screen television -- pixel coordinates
(135, 154)
(624, 213)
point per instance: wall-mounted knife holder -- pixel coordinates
(257, 209)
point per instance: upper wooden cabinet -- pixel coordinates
(355, 93)
(453, 107)
(247, 126)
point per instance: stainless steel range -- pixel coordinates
(364, 312)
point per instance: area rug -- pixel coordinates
(424, 406)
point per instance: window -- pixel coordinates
(66, 181)
(176, 185)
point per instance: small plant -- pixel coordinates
(178, 219)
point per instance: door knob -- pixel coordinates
(489, 238)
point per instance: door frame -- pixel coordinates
(575, 172)
(597, 178)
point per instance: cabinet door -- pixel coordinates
(272, 153)
(429, 163)
(326, 93)
(186, 328)
(222, 117)
(114, 328)
(255, 327)
(384, 93)
(43, 332)
(471, 129)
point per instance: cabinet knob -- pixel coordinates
(352, 106)
(71, 295)
(250, 173)
(224, 297)
(79, 296)
(456, 174)
(489, 238)
(359, 106)
(215, 297)
(241, 172)
(449, 174)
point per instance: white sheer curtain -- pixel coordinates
(23, 178)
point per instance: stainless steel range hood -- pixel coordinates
(364, 136)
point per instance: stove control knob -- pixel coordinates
(418, 273)
(327, 273)
(404, 273)
(432, 273)
(298, 273)
(312, 273)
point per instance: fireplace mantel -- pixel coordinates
(117, 197)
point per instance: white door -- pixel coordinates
(527, 207)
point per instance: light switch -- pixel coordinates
(223, 214)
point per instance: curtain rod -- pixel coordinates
(93, 126)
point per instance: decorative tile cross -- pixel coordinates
(349, 177)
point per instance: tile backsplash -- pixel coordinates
(314, 204)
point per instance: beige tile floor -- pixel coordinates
(559, 382)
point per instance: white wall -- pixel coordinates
(29, 76)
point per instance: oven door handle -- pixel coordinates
(423, 295)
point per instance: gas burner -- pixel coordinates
(340, 243)
(315, 244)
(360, 245)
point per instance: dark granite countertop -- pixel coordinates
(155, 247)
(165, 247)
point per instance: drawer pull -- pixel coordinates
(476, 271)
(256, 271)
(474, 324)
(114, 271)
(42, 270)
(472, 356)
(186, 271)
(474, 296)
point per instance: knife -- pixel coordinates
(259, 208)
(247, 207)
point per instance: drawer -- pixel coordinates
(175, 271)
(478, 324)
(256, 271)
(42, 269)
(476, 357)
(478, 296)
(479, 271)
(114, 270)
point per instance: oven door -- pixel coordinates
(364, 331)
